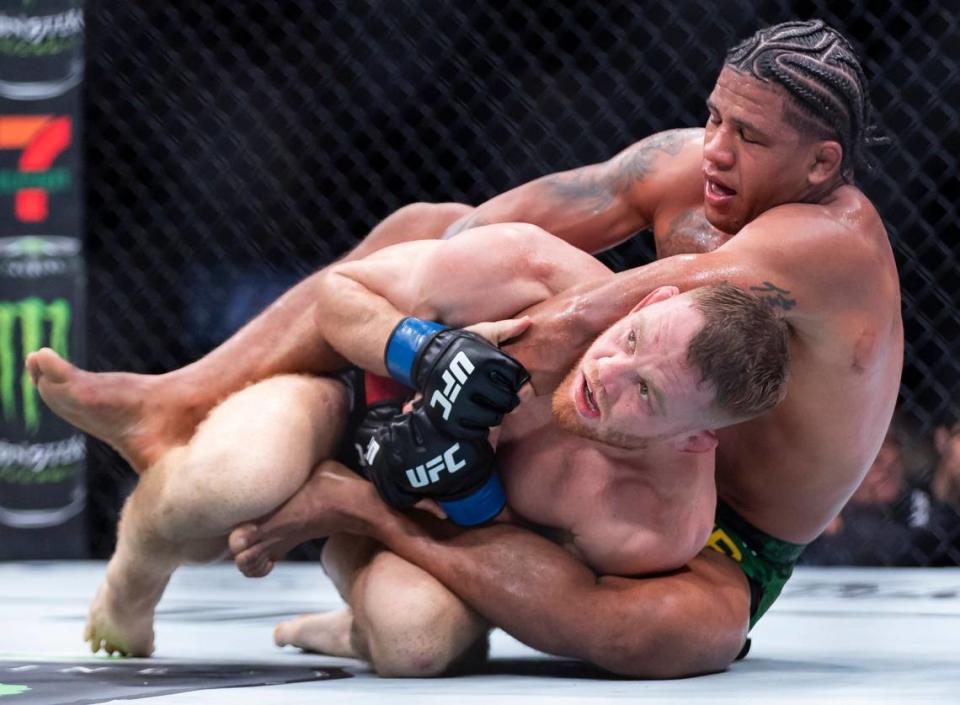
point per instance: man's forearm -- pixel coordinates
(563, 326)
(576, 206)
(283, 338)
(360, 324)
(521, 582)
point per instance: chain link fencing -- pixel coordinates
(234, 147)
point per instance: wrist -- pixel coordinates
(390, 526)
(481, 505)
(406, 340)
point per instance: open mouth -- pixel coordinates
(715, 192)
(586, 401)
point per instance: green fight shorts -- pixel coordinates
(766, 561)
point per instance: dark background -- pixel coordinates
(233, 147)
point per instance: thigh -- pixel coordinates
(257, 447)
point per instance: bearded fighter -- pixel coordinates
(765, 197)
(619, 466)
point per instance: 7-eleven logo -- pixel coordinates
(42, 138)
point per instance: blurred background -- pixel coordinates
(218, 151)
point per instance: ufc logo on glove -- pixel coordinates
(429, 473)
(454, 377)
(468, 383)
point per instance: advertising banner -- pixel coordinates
(42, 274)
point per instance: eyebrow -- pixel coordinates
(737, 121)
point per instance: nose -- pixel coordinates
(717, 149)
(614, 373)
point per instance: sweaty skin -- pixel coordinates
(793, 231)
(766, 210)
(650, 508)
(623, 511)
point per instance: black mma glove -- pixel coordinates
(468, 384)
(408, 459)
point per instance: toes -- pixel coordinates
(33, 368)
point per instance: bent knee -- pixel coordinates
(419, 629)
(417, 659)
(263, 431)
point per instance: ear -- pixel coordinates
(697, 442)
(661, 293)
(827, 158)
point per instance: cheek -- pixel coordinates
(759, 178)
(627, 418)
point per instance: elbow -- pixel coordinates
(523, 247)
(329, 281)
(668, 642)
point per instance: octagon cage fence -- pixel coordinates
(231, 148)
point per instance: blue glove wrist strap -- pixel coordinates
(480, 506)
(404, 344)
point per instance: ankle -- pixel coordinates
(135, 591)
(189, 392)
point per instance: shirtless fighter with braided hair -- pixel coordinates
(765, 198)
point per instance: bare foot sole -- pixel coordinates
(118, 627)
(140, 416)
(323, 633)
(321, 507)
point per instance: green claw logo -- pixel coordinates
(35, 317)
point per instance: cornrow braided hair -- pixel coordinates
(820, 71)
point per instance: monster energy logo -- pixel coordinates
(37, 457)
(35, 316)
(35, 36)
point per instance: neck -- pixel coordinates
(819, 194)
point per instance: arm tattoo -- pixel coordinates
(630, 167)
(774, 296)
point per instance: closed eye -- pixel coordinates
(745, 138)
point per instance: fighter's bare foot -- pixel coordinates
(323, 633)
(140, 416)
(119, 626)
(332, 500)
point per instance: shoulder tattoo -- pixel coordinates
(773, 296)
